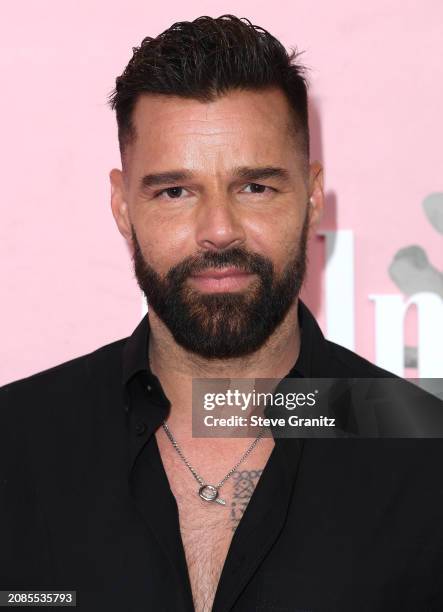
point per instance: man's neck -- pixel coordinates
(175, 367)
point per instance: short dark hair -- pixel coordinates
(208, 57)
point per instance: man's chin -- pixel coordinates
(219, 326)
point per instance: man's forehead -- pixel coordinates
(240, 128)
(244, 107)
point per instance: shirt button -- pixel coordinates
(149, 388)
(140, 429)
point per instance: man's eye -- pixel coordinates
(173, 193)
(257, 188)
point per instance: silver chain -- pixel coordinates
(198, 478)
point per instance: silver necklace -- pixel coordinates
(206, 491)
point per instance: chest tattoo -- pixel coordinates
(244, 483)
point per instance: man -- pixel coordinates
(99, 468)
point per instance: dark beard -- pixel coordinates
(222, 325)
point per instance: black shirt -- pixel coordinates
(334, 525)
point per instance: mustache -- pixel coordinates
(251, 263)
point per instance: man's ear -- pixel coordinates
(119, 205)
(316, 193)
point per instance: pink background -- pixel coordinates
(67, 284)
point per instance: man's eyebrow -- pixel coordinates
(263, 172)
(246, 173)
(165, 178)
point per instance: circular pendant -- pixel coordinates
(208, 493)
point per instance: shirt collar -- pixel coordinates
(310, 362)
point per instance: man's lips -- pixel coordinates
(221, 279)
(219, 272)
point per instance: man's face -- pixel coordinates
(214, 201)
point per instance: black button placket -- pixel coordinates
(149, 484)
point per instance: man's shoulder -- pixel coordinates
(104, 362)
(346, 363)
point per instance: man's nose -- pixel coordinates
(219, 224)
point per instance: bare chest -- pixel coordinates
(207, 528)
